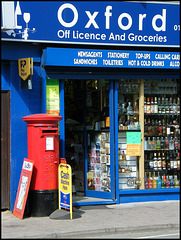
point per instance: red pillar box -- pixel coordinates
(43, 149)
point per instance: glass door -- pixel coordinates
(99, 141)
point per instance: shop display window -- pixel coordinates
(162, 133)
(128, 121)
(161, 130)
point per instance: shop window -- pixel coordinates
(160, 165)
(128, 123)
(162, 133)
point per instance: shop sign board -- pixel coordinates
(65, 187)
(110, 58)
(23, 188)
(133, 140)
(116, 23)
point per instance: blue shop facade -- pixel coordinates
(111, 70)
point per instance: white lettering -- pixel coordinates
(59, 13)
(124, 21)
(108, 14)
(162, 18)
(91, 19)
(85, 61)
(63, 34)
(125, 15)
(141, 17)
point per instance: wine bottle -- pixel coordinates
(159, 106)
(152, 106)
(155, 162)
(176, 182)
(145, 105)
(129, 109)
(178, 161)
(167, 110)
(153, 144)
(158, 144)
(163, 161)
(148, 106)
(151, 162)
(149, 144)
(168, 162)
(171, 181)
(163, 105)
(166, 144)
(154, 181)
(159, 162)
(146, 181)
(162, 143)
(162, 182)
(167, 183)
(171, 144)
(155, 106)
(158, 181)
(150, 181)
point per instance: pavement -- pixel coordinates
(95, 219)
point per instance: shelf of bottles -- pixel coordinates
(162, 134)
(128, 120)
(128, 110)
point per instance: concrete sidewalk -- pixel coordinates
(127, 217)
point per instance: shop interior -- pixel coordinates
(86, 108)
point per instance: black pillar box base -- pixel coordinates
(43, 202)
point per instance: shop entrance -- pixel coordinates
(88, 108)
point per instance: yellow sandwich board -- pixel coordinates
(65, 187)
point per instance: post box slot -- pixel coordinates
(49, 131)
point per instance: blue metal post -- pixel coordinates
(111, 119)
(43, 108)
(116, 139)
(62, 122)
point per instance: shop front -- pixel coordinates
(122, 129)
(116, 86)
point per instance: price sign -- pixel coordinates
(133, 150)
(133, 137)
(133, 140)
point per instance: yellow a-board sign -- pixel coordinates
(65, 187)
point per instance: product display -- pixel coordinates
(99, 161)
(98, 136)
(128, 120)
(162, 133)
